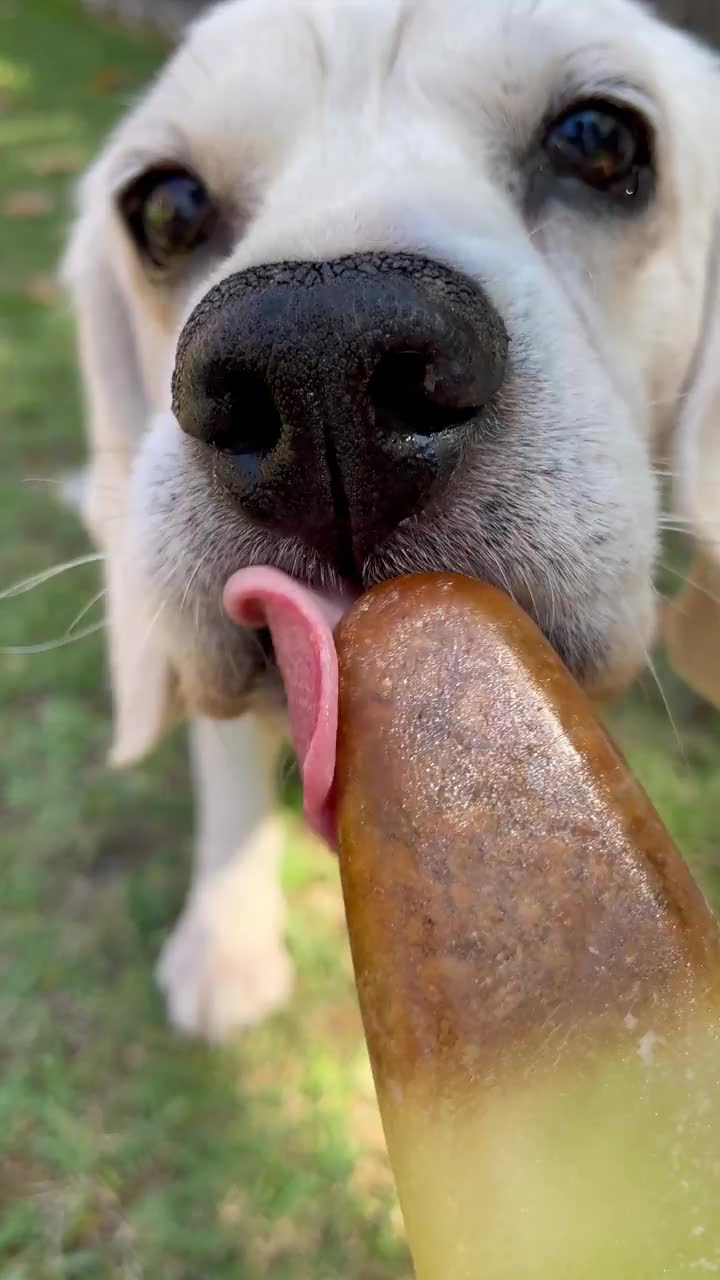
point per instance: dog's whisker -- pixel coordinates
(667, 401)
(152, 625)
(550, 587)
(544, 226)
(100, 595)
(666, 704)
(48, 646)
(676, 573)
(669, 473)
(203, 558)
(669, 514)
(688, 531)
(526, 583)
(38, 579)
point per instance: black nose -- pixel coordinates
(340, 395)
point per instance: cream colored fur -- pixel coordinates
(328, 128)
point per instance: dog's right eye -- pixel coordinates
(169, 213)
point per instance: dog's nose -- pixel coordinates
(339, 396)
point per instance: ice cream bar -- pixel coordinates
(538, 973)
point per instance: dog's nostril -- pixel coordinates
(406, 395)
(245, 419)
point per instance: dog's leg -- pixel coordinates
(225, 966)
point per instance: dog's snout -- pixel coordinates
(339, 395)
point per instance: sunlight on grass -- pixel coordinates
(125, 1152)
(14, 76)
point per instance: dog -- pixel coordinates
(372, 287)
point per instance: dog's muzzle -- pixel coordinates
(338, 397)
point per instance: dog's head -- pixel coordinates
(380, 286)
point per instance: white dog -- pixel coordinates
(373, 286)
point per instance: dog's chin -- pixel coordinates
(263, 696)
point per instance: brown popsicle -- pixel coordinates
(538, 973)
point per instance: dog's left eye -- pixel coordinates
(604, 145)
(169, 214)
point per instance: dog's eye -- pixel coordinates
(602, 144)
(169, 214)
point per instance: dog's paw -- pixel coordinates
(220, 971)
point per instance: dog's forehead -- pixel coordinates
(285, 58)
(260, 88)
(338, 26)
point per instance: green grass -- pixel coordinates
(125, 1152)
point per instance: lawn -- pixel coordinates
(125, 1152)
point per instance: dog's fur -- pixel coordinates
(326, 128)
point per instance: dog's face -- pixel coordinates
(390, 286)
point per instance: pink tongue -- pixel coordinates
(301, 623)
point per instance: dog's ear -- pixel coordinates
(117, 411)
(691, 622)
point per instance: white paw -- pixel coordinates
(224, 968)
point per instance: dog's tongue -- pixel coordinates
(301, 623)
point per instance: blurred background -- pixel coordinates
(124, 1152)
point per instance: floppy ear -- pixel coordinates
(117, 411)
(691, 624)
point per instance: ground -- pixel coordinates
(124, 1152)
